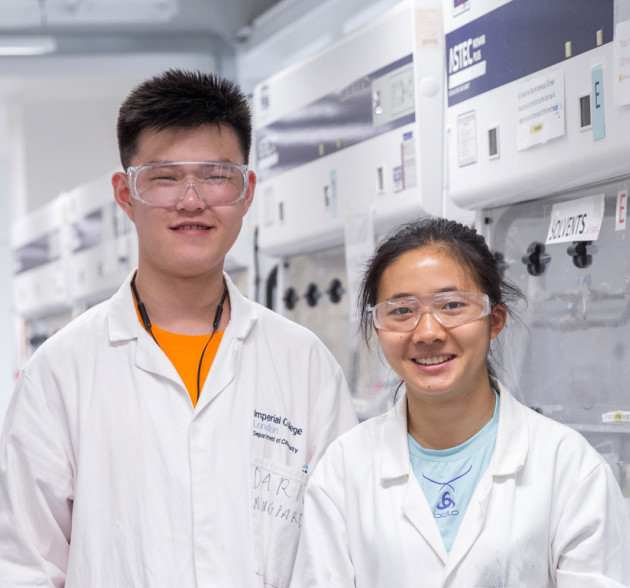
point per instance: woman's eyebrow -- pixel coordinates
(408, 295)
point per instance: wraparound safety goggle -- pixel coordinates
(217, 183)
(450, 309)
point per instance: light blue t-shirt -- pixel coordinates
(449, 477)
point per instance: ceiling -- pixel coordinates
(99, 25)
(105, 45)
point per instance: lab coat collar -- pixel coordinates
(512, 435)
(510, 449)
(123, 323)
(395, 462)
(122, 320)
(243, 314)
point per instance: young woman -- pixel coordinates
(458, 485)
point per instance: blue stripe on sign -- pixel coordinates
(336, 121)
(598, 120)
(519, 39)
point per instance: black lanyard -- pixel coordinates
(146, 322)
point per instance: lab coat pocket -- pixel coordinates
(277, 494)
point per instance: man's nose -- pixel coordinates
(191, 198)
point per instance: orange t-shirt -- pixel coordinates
(185, 351)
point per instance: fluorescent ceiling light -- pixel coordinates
(26, 45)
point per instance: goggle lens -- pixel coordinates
(165, 184)
(450, 309)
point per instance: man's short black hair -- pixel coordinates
(177, 99)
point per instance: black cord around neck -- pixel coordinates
(144, 315)
(146, 322)
(215, 324)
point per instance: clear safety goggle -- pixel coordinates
(217, 183)
(450, 309)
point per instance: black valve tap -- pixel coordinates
(582, 253)
(335, 290)
(312, 294)
(290, 298)
(536, 259)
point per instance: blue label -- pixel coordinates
(334, 122)
(597, 102)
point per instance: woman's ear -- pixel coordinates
(498, 316)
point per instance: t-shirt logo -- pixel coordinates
(446, 500)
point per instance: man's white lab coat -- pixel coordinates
(547, 512)
(109, 478)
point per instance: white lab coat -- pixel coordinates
(548, 512)
(109, 478)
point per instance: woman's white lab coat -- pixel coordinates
(548, 512)
(109, 478)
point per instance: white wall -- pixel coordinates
(67, 109)
(6, 347)
(60, 153)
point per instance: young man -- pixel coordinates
(164, 437)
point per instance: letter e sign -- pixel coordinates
(620, 211)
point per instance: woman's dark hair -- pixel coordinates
(177, 99)
(463, 243)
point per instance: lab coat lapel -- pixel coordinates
(222, 371)
(123, 325)
(225, 365)
(471, 525)
(396, 469)
(508, 458)
(150, 358)
(416, 509)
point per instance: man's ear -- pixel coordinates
(122, 194)
(249, 195)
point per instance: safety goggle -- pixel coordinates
(450, 309)
(217, 183)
